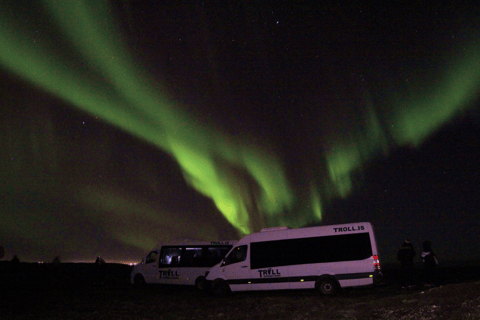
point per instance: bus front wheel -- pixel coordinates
(220, 288)
(139, 280)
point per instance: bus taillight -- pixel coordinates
(376, 263)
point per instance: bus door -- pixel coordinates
(150, 267)
(236, 269)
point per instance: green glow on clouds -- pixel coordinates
(111, 86)
(437, 104)
(350, 151)
(130, 211)
(412, 118)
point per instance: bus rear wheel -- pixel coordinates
(327, 286)
(201, 283)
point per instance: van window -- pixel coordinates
(238, 254)
(215, 255)
(192, 257)
(310, 250)
(152, 257)
(170, 256)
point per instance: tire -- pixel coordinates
(139, 280)
(327, 286)
(201, 283)
(220, 288)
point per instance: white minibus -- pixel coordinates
(325, 258)
(182, 262)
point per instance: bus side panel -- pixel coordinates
(356, 282)
(188, 276)
(180, 276)
(348, 273)
(272, 278)
(355, 273)
(304, 276)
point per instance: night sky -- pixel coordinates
(129, 123)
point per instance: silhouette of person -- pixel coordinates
(100, 270)
(405, 254)
(429, 263)
(15, 260)
(15, 264)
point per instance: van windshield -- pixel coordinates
(238, 254)
(152, 257)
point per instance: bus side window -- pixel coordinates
(192, 257)
(171, 256)
(238, 254)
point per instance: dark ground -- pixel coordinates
(72, 291)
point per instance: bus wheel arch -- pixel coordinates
(201, 283)
(327, 285)
(139, 280)
(220, 288)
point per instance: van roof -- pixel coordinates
(188, 242)
(333, 228)
(274, 229)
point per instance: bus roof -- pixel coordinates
(194, 242)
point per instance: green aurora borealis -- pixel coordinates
(85, 62)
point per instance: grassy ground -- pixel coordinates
(70, 291)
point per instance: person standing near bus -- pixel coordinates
(429, 263)
(406, 253)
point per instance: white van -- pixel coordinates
(182, 262)
(326, 258)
